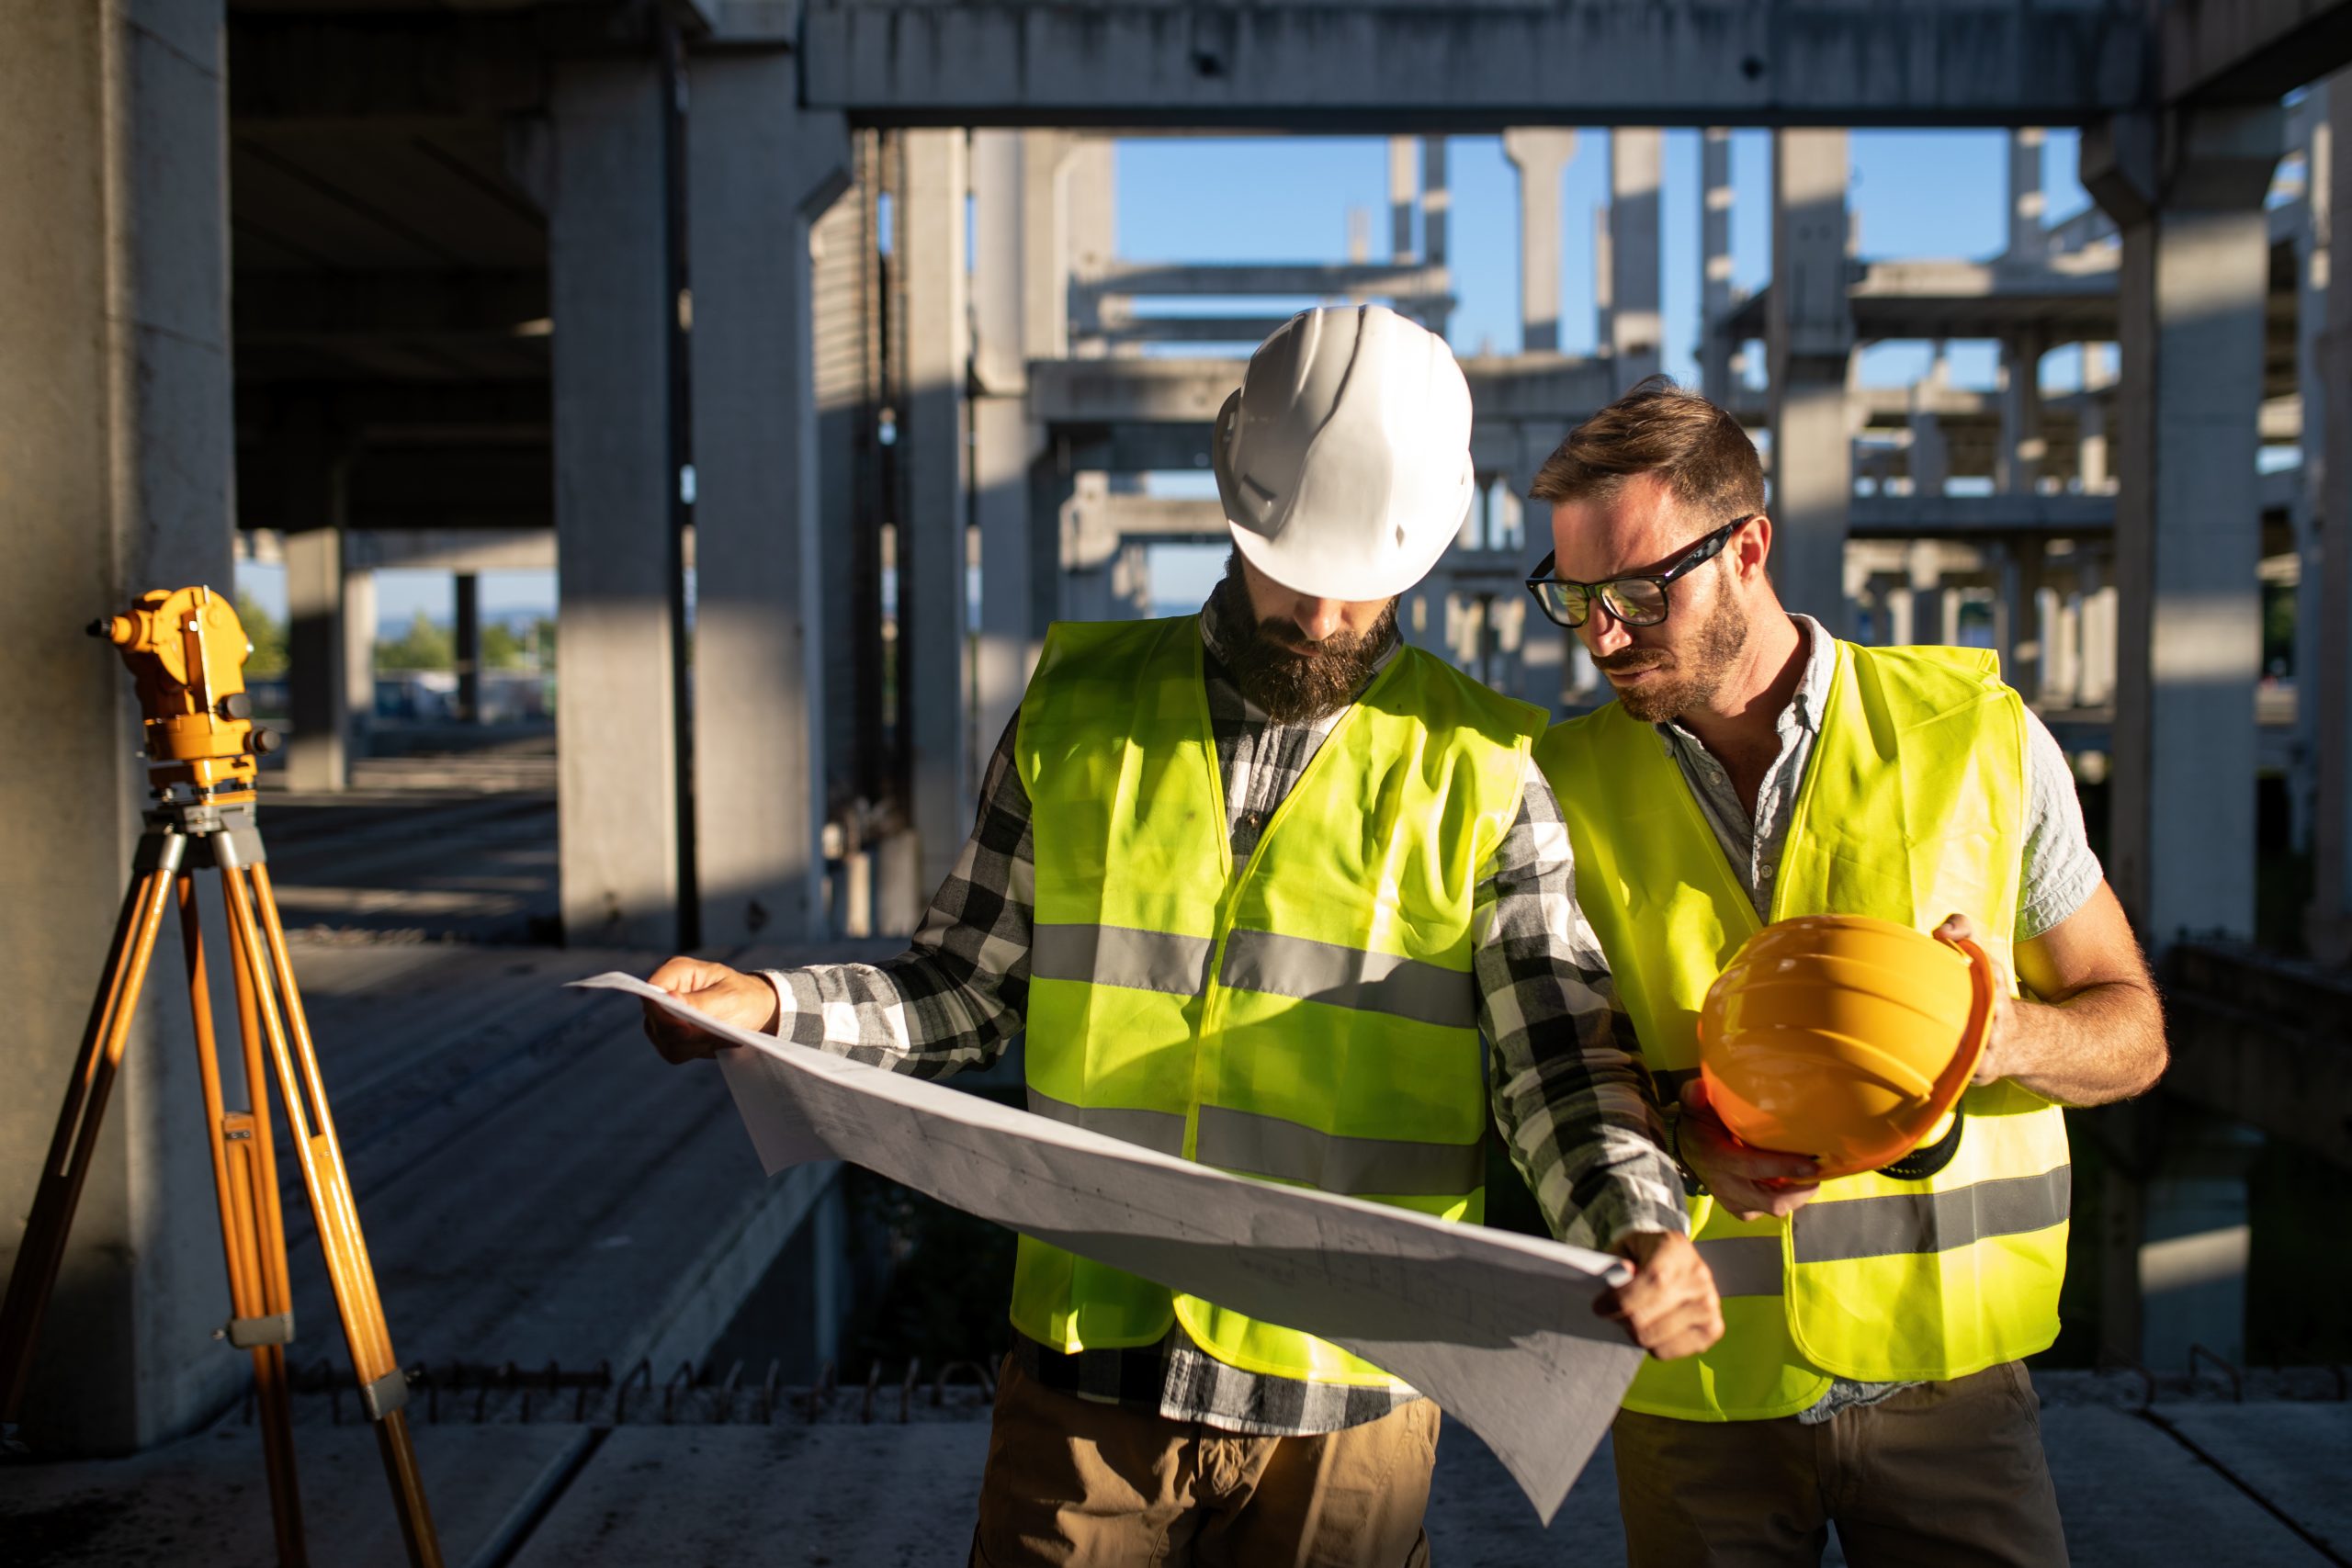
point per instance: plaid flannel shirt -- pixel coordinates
(1570, 1093)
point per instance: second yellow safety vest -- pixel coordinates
(1912, 808)
(1310, 1018)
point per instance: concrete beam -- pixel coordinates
(2187, 194)
(760, 173)
(617, 714)
(2249, 51)
(115, 423)
(1383, 68)
(1112, 391)
(1187, 329)
(297, 75)
(313, 308)
(1353, 280)
(1903, 516)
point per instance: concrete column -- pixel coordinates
(1931, 453)
(359, 617)
(2196, 1240)
(2025, 658)
(2312, 250)
(1437, 212)
(1924, 564)
(2329, 924)
(2094, 472)
(1810, 333)
(1636, 165)
(1403, 196)
(1090, 197)
(316, 695)
(2187, 197)
(116, 445)
(933, 623)
(2017, 462)
(1714, 252)
(761, 173)
(1604, 281)
(2027, 238)
(466, 644)
(1539, 154)
(2062, 667)
(1019, 281)
(617, 707)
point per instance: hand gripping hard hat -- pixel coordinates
(1846, 1038)
(1344, 460)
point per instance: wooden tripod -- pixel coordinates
(184, 837)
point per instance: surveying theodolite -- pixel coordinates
(187, 651)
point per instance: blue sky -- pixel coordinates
(1916, 193)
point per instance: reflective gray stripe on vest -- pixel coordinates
(1349, 977)
(1744, 1265)
(1900, 1222)
(1121, 956)
(1271, 1146)
(1159, 1130)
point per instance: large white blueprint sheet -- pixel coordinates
(1497, 1328)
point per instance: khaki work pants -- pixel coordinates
(1946, 1472)
(1071, 1481)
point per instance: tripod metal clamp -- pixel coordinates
(386, 1395)
(246, 1333)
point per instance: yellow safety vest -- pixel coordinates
(1310, 1019)
(1912, 808)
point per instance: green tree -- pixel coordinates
(502, 649)
(424, 646)
(268, 636)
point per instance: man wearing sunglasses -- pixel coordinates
(1270, 891)
(1754, 767)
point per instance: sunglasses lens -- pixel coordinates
(1569, 602)
(1636, 601)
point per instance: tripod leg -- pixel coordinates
(262, 1322)
(43, 1248)
(383, 1388)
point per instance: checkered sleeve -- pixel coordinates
(1571, 1093)
(956, 996)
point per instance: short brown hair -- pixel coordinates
(1658, 428)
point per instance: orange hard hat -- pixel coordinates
(1844, 1037)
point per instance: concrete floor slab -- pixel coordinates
(771, 1496)
(2131, 1495)
(2297, 1458)
(204, 1502)
(1478, 1514)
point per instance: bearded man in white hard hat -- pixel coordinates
(1256, 882)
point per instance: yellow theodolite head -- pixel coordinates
(187, 649)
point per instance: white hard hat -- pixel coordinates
(1344, 460)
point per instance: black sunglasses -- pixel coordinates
(1633, 601)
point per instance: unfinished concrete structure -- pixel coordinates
(506, 275)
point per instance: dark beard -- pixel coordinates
(1720, 641)
(1289, 687)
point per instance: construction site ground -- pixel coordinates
(540, 1192)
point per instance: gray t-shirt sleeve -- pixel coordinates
(2060, 872)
